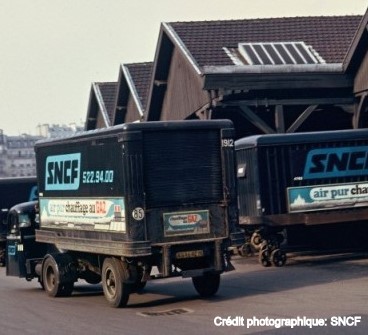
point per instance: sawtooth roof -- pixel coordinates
(108, 92)
(141, 76)
(330, 36)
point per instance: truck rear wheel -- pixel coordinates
(207, 285)
(114, 275)
(51, 280)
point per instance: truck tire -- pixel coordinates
(114, 275)
(207, 285)
(51, 280)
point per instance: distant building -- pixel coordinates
(17, 156)
(20, 156)
(55, 130)
(2, 152)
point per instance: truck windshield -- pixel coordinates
(24, 221)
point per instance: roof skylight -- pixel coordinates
(279, 53)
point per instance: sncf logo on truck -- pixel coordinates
(63, 172)
(336, 162)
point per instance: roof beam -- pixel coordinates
(279, 119)
(256, 120)
(300, 120)
(286, 80)
(288, 102)
(358, 113)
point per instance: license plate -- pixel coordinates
(189, 254)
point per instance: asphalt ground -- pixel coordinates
(313, 293)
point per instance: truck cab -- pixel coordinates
(22, 222)
(13, 191)
(18, 221)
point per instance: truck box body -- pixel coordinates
(303, 178)
(129, 189)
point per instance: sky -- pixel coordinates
(51, 51)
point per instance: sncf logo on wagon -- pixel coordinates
(336, 162)
(63, 172)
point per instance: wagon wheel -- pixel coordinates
(245, 250)
(264, 255)
(114, 275)
(278, 257)
(256, 240)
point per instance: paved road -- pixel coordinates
(313, 288)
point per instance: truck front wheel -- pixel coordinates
(207, 285)
(51, 280)
(114, 275)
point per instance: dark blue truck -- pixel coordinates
(128, 204)
(304, 184)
